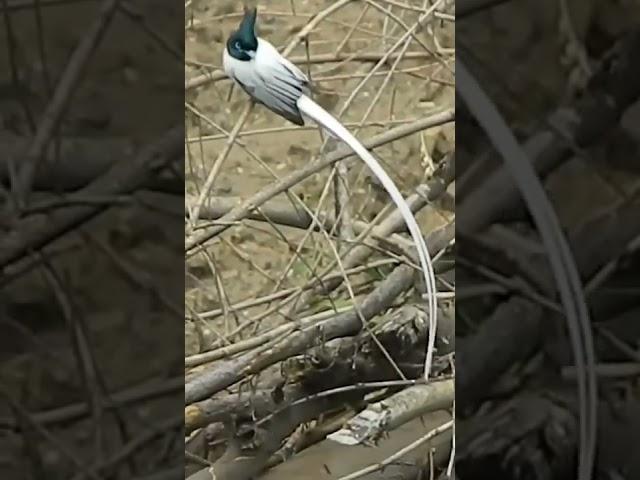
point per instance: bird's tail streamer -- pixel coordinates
(323, 118)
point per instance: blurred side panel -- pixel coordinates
(547, 200)
(91, 239)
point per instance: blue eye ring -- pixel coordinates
(237, 45)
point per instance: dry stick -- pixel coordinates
(208, 184)
(286, 215)
(218, 18)
(310, 229)
(241, 211)
(252, 302)
(619, 344)
(375, 100)
(385, 57)
(469, 7)
(255, 341)
(36, 231)
(606, 370)
(102, 469)
(405, 6)
(81, 160)
(592, 116)
(239, 464)
(393, 411)
(351, 31)
(304, 438)
(373, 376)
(293, 198)
(411, 31)
(188, 456)
(248, 259)
(400, 453)
(136, 15)
(562, 263)
(358, 254)
(369, 385)
(56, 443)
(218, 75)
(286, 128)
(297, 254)
(298, 249)
(340, 166)
(497, 346)
(12, 50)
(83, 354)
(567, 27)
(350, 291)
(343, 213)
(222, 295)
(273, 211)
(65, 88)
(385, 26)
(19, 5)
(76, 411)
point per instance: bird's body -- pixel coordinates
(259, 69)
(272, 80)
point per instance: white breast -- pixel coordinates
(238, 69)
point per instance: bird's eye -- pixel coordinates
(237, 45)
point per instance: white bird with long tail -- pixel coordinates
(270, 79)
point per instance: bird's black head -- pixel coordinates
(243, 43)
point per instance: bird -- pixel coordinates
(259, 69)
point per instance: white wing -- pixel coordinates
(270, 79)
(282, 83)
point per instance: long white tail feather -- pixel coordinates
(281, 86)
(312, 110)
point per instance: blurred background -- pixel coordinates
(91, 263)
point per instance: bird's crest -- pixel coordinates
(247, 28)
